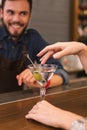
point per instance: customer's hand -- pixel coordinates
(60, 49)
(50, 115)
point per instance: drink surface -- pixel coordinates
(43, 72)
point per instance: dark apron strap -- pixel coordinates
(8, 71)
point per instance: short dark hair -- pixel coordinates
(3, 3)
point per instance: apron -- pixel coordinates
(8, 71)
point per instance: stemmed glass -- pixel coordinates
(43, 73)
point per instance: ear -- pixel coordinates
(30, 15)
(1, 13)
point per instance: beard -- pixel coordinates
(15, 35)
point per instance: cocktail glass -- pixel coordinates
(43, 73)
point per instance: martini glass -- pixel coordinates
(43, 73)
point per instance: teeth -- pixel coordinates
(16, 26)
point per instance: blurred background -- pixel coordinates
(52, 19)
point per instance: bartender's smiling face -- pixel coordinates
(16, 15)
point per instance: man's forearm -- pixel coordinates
(56, 80)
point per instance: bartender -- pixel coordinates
(15, 42)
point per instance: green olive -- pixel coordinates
(37, 76)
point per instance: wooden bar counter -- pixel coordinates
(12, 114)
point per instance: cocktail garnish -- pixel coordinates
(37, 76)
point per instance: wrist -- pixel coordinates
(79, 124)
(68, 120)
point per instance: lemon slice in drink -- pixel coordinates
(37, 76)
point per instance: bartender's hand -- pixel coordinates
(27, 78)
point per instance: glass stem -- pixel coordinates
(42, 92)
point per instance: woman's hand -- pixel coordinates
(60, 49)
(48, 114)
